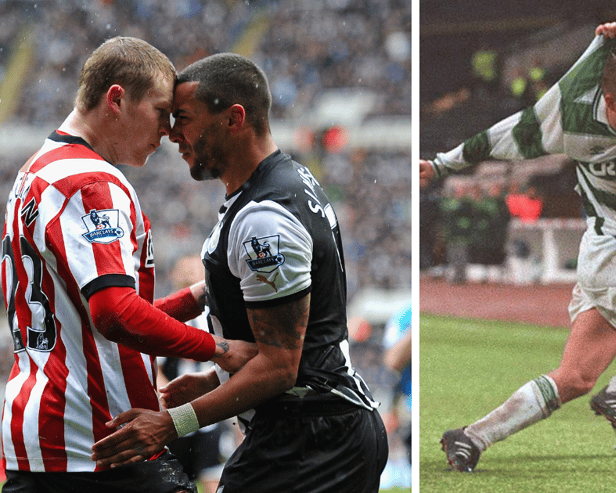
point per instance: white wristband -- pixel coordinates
(184, 419)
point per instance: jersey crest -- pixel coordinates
(102, 226)
(264, 253)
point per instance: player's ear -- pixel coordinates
(237, 118)
(115, 95)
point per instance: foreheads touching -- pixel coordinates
(226, 79)
(129, 62)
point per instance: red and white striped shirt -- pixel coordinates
(73, 226)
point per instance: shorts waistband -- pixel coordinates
(311, 406)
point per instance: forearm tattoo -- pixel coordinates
(224, 345)
(281, 326)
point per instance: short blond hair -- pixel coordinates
(130, 62)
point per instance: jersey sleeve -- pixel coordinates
(270, 251)
(528, 134)
(533, 132)
(98, 237)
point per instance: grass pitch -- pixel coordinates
(469, 367)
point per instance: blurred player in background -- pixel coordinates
(397, 344)
(275, 275)
(202, 453)
(577, 117)
(78, 282)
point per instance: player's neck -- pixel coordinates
(244, 160)
(84, 125)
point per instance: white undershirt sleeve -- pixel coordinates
(270, 251)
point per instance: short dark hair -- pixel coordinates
(226, 79)
(129, 62)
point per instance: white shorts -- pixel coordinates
(596, 273)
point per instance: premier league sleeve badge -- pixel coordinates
(103, 226)
(264, 255)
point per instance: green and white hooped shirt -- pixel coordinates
(569, 119)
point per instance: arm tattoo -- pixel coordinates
(224, 345)
(281, 326)
(202, 299)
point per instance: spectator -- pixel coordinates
(458, 216)
(527, 206)
(485, 64)
(491, 224)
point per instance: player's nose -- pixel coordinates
(165, 127)
(175, 135)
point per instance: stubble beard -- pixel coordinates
(200, 171)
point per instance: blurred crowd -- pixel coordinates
(467, 223)
(304, 47)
